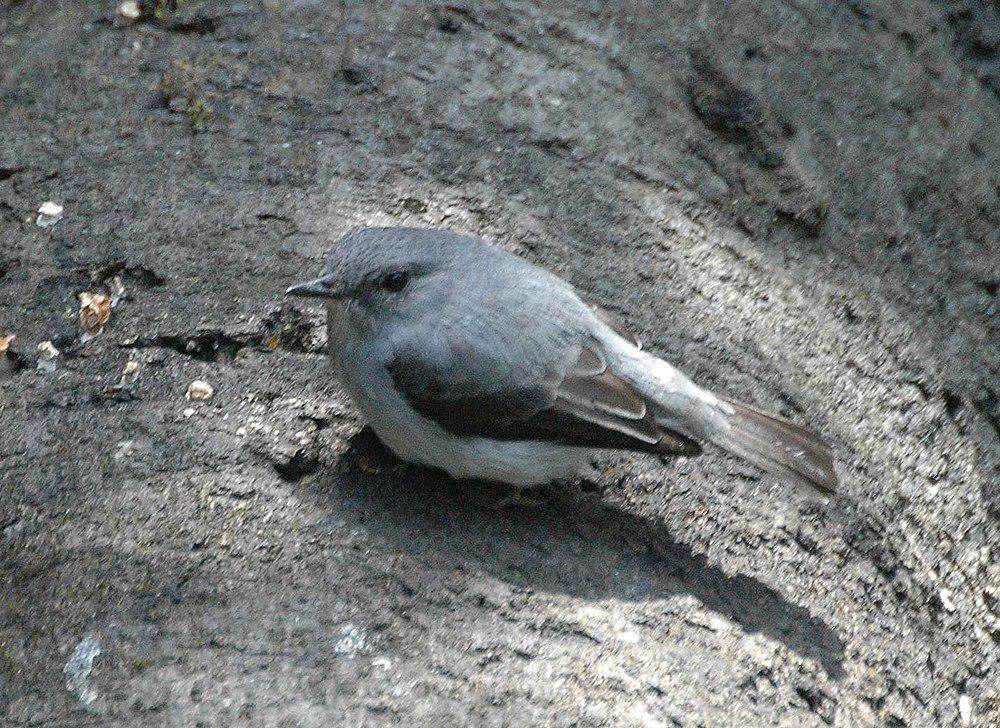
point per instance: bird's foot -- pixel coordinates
(518, 497)
(368, 464)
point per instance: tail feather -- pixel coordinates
(779, 446)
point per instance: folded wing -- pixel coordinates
(587, 405)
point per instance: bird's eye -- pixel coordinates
(396, 282)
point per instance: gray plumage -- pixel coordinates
(468, 358)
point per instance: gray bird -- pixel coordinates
(467, 358)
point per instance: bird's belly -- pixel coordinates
(417, 439)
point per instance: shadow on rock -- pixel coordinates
(574, 544)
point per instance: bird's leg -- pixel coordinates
(524, 497)
(368, 464)
(371, 456)
(371, 463)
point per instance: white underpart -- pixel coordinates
(418, 439)
(415, 438)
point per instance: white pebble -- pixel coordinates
(965, 709)
(129, 10)
(946, 601)
(200, 390)
(49, 214)
(46, 350)
(79, 667)
(47, 355)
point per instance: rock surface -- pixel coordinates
(794, 200)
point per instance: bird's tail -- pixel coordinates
(681, 406)
(777, 445)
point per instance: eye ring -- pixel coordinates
(396, 281)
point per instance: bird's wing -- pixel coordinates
(587, 405)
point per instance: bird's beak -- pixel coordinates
(319, 288)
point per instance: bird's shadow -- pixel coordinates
(573, 544)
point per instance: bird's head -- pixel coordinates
(385, 274)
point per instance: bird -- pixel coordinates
(468, 358)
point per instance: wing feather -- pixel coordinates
(586, 406)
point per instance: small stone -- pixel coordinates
(718, 623)
(124, 449)
(129, 10)
(965, 709)
(946, 601)
(129, 373)
(200, 390)
(352, 641)
(79, 667)
(47, 355)
(49, 214)
(117, 287)
(5, 342)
